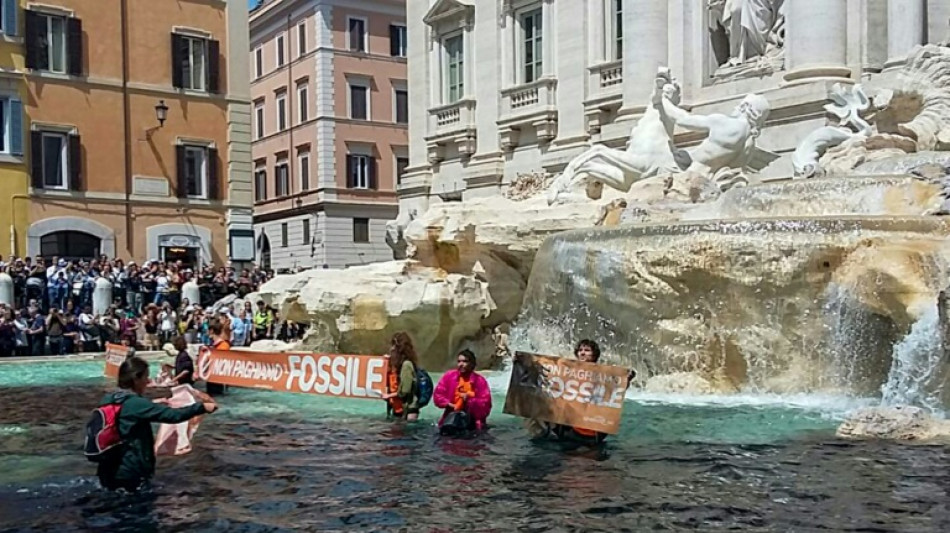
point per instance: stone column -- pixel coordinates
(938, 21)
(816, 44)
(645, 49)
(905, 29)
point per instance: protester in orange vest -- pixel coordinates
(218, 342)
(402, 394)
(589, 352)
(465, 396)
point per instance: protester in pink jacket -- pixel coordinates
(464, 395)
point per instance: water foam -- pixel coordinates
(914, 378)
(832, 405)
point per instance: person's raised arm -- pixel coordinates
(684, 118)
(155, 412)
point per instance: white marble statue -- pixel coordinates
(730, 145)
(753, 27)
(649, 151)
(730, 140)
(395, 233)
(847, 103)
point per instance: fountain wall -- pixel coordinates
(765, 305)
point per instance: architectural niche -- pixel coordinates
(746, 37)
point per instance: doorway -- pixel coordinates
(187, 255)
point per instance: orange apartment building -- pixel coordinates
(330, 137)
(139, 129)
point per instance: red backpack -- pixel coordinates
(102, 432)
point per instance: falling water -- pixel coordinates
(915, 373)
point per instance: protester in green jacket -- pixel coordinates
(402, 395)
(133, 463)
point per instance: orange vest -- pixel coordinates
(393, 386)
(585, 432)
(221, 345)
(462, 391)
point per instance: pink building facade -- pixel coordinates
(329, 128)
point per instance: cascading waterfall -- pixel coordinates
(769, 306)
(915, 376)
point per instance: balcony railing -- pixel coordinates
(531, 98)
(605, 79)
(452, 118)
(451, 124)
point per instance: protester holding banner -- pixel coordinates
(134, 461)
(587, 351)
(402, 396)
(576, 402)
(465, 396)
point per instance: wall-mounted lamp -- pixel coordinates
(161, 113)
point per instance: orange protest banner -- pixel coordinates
(115, 354)
(567, 391)
(353, 376)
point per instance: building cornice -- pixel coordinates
(282, 71)
(40, 195)
(109, 83)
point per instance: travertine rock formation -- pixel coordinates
(903, 423)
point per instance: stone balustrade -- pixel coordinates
(448, 124)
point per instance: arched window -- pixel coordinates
(70, 245)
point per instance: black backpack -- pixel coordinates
(424, 387)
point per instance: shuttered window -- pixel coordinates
(197, 172)
(359, 102)
(360, 172)
(8, 17)
(281, 179)
(56, 160)
(360, 230)
(303, 168)
(54, 43)
(11, 126)
(356, 34)
(401, 164)
(196, 63)
(398, 41)
(260, 185)
(402, 107)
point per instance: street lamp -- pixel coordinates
(161, 113)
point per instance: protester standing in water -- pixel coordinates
(134, 461)
(218, 342)
(587, 351)
(184, 365)
(401, 392)
(465, 396)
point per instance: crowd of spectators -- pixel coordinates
(53, 300)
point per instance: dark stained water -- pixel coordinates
(280, 462)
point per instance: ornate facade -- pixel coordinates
(508, 87)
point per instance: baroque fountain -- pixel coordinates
(684, 264)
